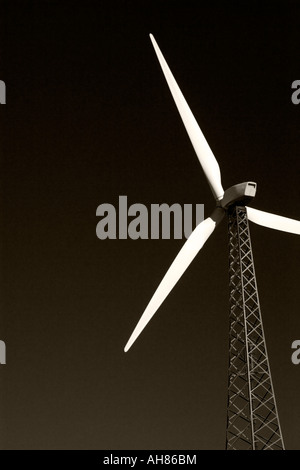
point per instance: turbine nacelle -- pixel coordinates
(240, 194)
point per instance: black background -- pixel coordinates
(89, 117)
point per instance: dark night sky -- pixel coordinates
(89, 117)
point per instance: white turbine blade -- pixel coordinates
(207, 159)
(185, 256)
(276, 222)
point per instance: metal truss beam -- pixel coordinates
(252, 417)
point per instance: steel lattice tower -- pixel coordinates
(252, 418)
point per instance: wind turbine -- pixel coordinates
(252, 417)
